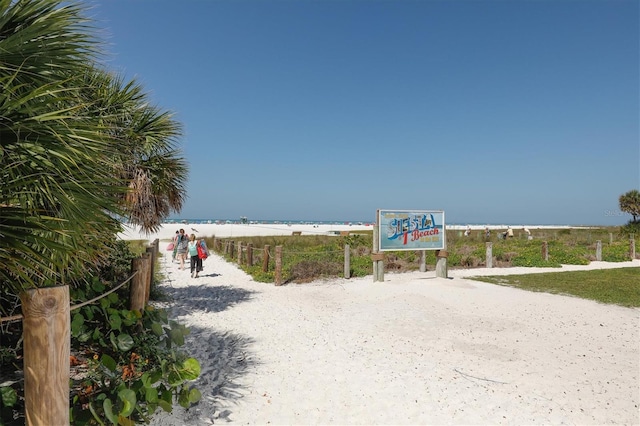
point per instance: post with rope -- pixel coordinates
(152, 266)
(598, 250)
(138, 288)
(489, 254)
(632, 249)
(265, 258)
(47, 348)
(240, 246)
(146, 275)
(250, 254)
(278, 274)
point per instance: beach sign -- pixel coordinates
(411, 230)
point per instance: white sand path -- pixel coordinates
(414, 349)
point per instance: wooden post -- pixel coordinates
(377, 257)
(47, 348)
(138, 287)
(265, 258)
(156, 244)
(441, 263)
(347, 261)
(232, 249)
(423, 260)
(239, 252)
(278, 276)
(610, 237)
(250, 254)
(152, 267)
(489, 255)
(545, 251)
(146, 272)
(632, 249)
(374, 252)
(598, 250)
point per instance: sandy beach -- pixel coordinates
(414, 349)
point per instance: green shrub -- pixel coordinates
(126, 364)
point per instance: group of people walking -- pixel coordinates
(195, 249)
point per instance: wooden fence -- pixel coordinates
(245, 254)
(46, 321)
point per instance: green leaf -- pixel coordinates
(104, 303)
(151, 395)
(108, 362)
(113, 298)
(175, 379)
(157, 329)
(112, 338)
(167, 396)
(95, 414)
(190, 369)
(107, 406)
(128, 317)
(97, 286)
(77, 324)
(194, 395)
(183, 398)
(177, 336)
(125, 342)
(145, 380)
(155, 376)
(84, 337)
(9, 396)
(96, 334)
(88, 313)
(115, 322)
(166, 406)
(128, 398)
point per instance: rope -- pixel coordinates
(73, 307)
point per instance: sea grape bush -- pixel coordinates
(125, 365)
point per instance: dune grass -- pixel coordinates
(620, 286)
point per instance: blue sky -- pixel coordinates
(493, 111)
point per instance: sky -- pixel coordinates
(497, 112)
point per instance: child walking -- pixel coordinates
(196, 262)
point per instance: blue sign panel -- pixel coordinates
(411, 230)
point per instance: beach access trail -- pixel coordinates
(414, 349)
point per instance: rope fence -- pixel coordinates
(79, 305)
(287, 265)
(46, 327)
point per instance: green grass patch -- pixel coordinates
(620, 286)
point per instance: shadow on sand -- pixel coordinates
(203, 298)
(223, 356)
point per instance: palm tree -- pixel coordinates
(54, 214)
(147, 160)
(79, 149)
(630, 203)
